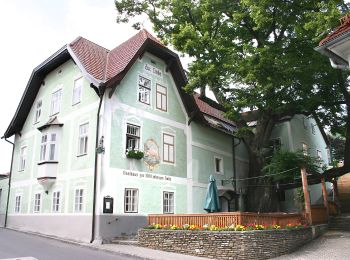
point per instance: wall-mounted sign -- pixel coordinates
(107, 204)
(147, 175)
(155, 71)
(151, 154)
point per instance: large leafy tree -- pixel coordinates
(254, 55)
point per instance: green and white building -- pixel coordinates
(85, 107)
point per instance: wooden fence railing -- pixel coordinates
(223, 219)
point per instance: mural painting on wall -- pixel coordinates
(151, 157)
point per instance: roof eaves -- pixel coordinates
(34, 76)
(87, 75)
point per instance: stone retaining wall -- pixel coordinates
(262, 244)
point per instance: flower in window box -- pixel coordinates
(134, 154)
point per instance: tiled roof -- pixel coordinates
(92, 56)
(103, 64)
(207, 109)
(340, 30)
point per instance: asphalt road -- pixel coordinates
(17, 245)
(333, 245)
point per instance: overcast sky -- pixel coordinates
(32, 30)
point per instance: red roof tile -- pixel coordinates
(92, 56)
(211, 111)
(340, 30)
(103, 64)
(120, 56)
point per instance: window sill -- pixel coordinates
(37, 122)
(81, 155)
(51, 115)
(77, 103)
(21, 170)
(47, 162)
(220, 173)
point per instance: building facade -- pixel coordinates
(87, 110)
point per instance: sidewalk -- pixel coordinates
(144, 253)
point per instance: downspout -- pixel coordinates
(9, 184)
(93, 224)
(234, 167)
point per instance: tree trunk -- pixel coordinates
(262, 196)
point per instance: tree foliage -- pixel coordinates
(255, 56)
(285, 165)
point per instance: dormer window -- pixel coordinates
(56, 102)
(144, 90)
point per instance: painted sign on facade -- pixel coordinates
(151, 156)
(153, 70)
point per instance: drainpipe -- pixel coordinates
(234, 166)
(93, 224)
(9, 184)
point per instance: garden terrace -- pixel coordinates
(223, 219)
(255, 244)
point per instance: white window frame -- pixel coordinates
(38, 111)
(142, 90)
(168, 145)
(37, 202)
(83, 139)
(313, 128)
(48, 148)
(56, 201)
(168, 204)
(273, 143)
(22, 158)
(162, 98)
(133, 195)
(18, 203)
(319, 156)
(77, 90)
(78, 204)
(305, 121)
(132, 136)
(221, 165)
(55, 106)
(305, 148)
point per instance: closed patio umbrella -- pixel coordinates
(212, 203)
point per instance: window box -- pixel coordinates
(134, 154)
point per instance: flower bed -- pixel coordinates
(206, 227)
(232, 242)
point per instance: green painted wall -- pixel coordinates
(70, 166)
